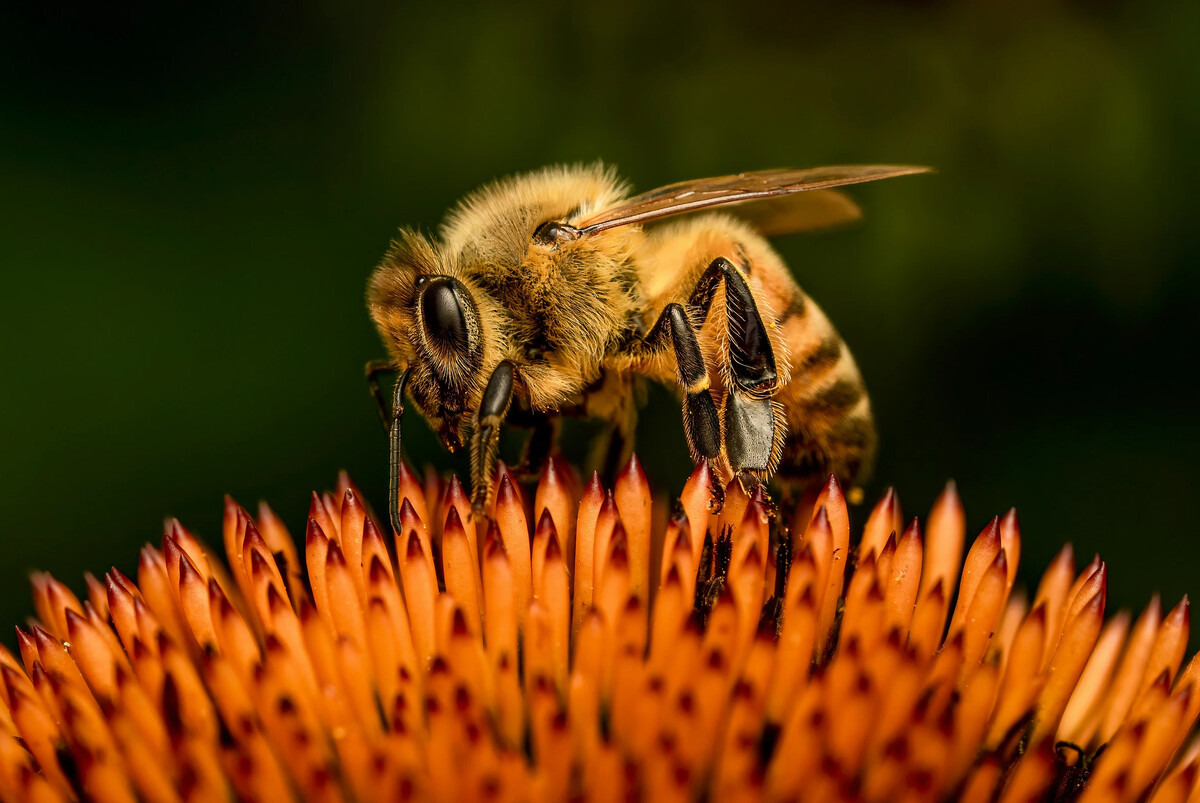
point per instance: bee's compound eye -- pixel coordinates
(552, 231)
(442, 313)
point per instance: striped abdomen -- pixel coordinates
(830, 428)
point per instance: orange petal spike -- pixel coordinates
(585, 533)
(354, 516)
(883, 521)
(632, 496)
(160, 595)
(255, 546)
(970, 721)
(675, 539)
(945, 533)
(120, 604)
(234, 637)
(345, 610)
(554, 494)
(190, 546)
(1010, 542)
(499, 597)
(280, 541)
(92, 655)
(411, 522)
(458, 567)
(606, 522)
(420, 589)
(233, 532)
(193, 596)
(323, 516)
(541, 537)
(755, 527)
(1163, 738)
(883, 560)
(696, 501)
(1096, 581)
(819, 538)
(667, 618)
(833, 502)
(316, 550)
(979, 558)
(456, 497)
(53, 603)
(556, 594)
(41, 737)
(734, 510)
(1082, 715)
(1067, 664)
(97, 594)
(1169, 644)
(1052, 592)
(986, 607)
(412, 492)
(383, 591)
(902, 586)
(1127, 681)
(374, 549)
(514, 530)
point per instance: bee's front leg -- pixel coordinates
(373, 369)
(485, 440)
(394, 443)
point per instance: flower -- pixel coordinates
(612, 649)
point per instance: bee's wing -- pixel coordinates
(804, 211)
(689, 196)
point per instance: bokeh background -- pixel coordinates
(192, 202)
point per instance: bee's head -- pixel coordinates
(433, 320)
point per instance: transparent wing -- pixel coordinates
(689, 196)
(802, 211)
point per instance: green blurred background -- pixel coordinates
(192, 201)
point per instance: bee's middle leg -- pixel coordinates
(701, 424)
(752, 425)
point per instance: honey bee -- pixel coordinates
(556, 293)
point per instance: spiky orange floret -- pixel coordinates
(588, 643)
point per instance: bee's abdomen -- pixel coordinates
(830, 428)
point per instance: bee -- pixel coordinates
(557, 293)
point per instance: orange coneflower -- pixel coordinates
(585, 643)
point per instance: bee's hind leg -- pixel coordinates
(753, 431)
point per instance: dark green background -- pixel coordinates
(192, 202)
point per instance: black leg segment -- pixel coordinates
(394, 443)
(485, 440)
(751, 357)
(373, 369)
(750, 421)
(749, 432)
(700, 419)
